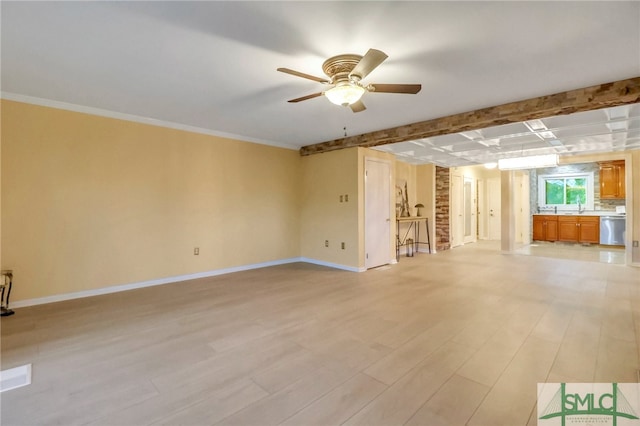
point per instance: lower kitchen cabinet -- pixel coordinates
(589, 229)
(579, 229)
(568, 228)
(545, 228)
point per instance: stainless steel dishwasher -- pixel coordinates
(612, 230)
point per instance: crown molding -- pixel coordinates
(135, 118)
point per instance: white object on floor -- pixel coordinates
(15, 377)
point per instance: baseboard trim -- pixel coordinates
(332, 265)
(174, 279)
(150, 283)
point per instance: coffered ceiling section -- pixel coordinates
(605, 130)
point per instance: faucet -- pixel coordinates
(580, 209)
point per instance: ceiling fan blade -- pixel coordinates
(396, 88)
(304, 98)
(368, 63)
(357, 106)
(303, 75)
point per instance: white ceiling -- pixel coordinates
(604, 130)
(211, 66)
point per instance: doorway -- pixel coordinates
(457, 211)
(470, 208)
(494, 209)
(464, 224)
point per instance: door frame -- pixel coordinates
(390, 213)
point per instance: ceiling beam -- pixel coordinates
(605, 95)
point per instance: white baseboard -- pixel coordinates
(332, 265)
(174, 279)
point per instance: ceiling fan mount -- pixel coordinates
(340, 66)
(345, 73)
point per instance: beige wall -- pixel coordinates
(325, 177)
(90, 202)
(324, 218)
(408, 173)
(426, 194)
(421, 189)
(1, 265)
(634, 161)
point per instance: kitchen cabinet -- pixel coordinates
(545, 227)
(568, 228)
(579, 229)
(612, 180)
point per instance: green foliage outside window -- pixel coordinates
(568, 191)
(555, 191)
(576, 190)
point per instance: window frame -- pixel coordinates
(542, 199)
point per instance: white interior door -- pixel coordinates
(482, 209)
(494, 209)
(469, 213)
(457, 211)
(377, 214)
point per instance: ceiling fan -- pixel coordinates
(345, 74)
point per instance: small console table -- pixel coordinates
(414, 224)
(6, 282)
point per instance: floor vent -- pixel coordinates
(15, 377)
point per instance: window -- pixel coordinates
(566, 192)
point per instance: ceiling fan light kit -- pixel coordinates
(345, 94)
(345, 73)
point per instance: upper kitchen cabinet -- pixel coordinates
(612, 180)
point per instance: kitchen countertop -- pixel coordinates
(585, 213)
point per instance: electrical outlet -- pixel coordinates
(346, 198)
(341, 198)
(635, 244)
(342, 245)
(196, 251)
(326, 243)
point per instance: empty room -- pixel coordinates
(319, 213)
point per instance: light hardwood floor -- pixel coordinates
(458, 337)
